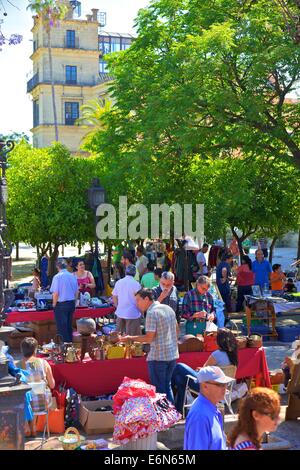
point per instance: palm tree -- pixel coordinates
(50, 12)
(91, 116)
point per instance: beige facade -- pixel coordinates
(75, 59)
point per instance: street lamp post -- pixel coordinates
(96, 197)
(5, 246)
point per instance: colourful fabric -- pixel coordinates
(93, 378)
(194, 302)
(161, 319)
(139, 411)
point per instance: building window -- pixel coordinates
(70, 39)
(71, 74)
(71, 113)
(125, 44)
(35, 113)
(104, 45)
(34, 46)
(103, 67)
(115, 44)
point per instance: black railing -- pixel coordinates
(32, 83)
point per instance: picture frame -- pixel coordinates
(256, 291)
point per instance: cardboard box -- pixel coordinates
(96, 422)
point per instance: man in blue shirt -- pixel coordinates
(262, 269)
(65, 291)
(204, 424)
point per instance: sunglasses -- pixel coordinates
(218, 384)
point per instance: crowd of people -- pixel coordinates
(145, 295)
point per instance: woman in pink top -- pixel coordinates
(245, 280)
(85, 279)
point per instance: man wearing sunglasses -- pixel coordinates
(204, 423)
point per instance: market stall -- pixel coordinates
(93, 378)
(48, 315)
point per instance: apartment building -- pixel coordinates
(79, 73)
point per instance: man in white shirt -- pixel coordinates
(201, 260)
(128, 315)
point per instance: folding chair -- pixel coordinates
(39, 388)
(188, 392)
(230, 371)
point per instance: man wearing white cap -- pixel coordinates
(204, 424)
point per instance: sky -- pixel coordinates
(15, 65)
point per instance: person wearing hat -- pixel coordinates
(128, 315)
(204, 423)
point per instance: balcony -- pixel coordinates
(71, 44)
(32, 83)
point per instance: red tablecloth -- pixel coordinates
(94, 378)
(48, 315)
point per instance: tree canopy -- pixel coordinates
(48, 196)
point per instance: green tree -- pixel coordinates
(252, 196)
(205, 78)
(15, 136)
(50, 12)
(48, 196)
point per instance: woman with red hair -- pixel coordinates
(258, 413)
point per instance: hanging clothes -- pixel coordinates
(213, 255)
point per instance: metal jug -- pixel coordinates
(71, 355)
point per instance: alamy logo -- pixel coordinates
(157, 221)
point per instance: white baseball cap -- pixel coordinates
(213, 373)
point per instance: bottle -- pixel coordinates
(266, 290)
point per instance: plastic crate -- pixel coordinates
(288, 333)
(259, 329)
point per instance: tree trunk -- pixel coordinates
(239, 242)
(17, 252)
(79, 249)
(52, 262)
(52, 86)
(63, 250)
(109, 250)
(272, 246)
(298, 251)
(224, 238)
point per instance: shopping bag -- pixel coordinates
(56, 421)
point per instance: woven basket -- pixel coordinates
(67, 437)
